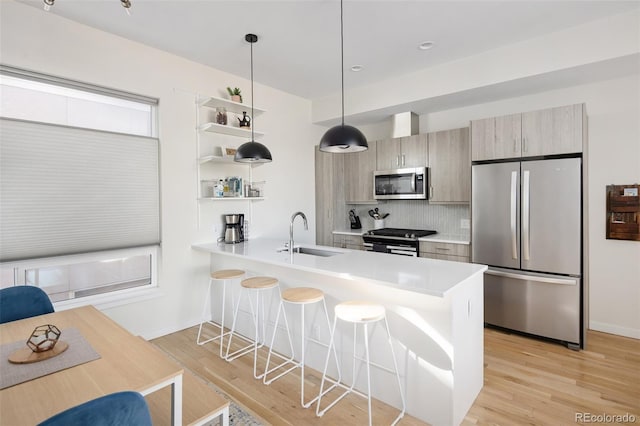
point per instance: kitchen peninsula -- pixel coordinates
(434, 308)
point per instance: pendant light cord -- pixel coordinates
(252, 117)
(342, 58)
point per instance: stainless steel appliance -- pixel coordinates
(401, 184)
(399, 241)
(527, 227)
(234, 225)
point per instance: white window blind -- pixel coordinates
(66, 190)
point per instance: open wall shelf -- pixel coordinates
(229, 130)
(234, 107)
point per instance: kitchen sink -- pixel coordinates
(313, 251)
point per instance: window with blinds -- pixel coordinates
(79, 173)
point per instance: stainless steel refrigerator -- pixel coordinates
(527, 227)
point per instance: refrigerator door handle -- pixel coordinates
(525, 215)
(549, 280)
(514, 242)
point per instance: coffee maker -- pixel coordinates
(233, 228)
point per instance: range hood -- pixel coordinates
(404, 124)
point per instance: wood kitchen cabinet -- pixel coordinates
(331, 211)
(444, 251)
(544, 132)
(397, 153)
(496, 137)
(352, 242)
(552, 131)
(449, 166)
(358, 175)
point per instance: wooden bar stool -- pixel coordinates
(364, 313)
(302, 296)
(222, 276)
(258, 286)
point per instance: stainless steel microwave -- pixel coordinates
(401, 184)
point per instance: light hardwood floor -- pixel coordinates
(526, 382)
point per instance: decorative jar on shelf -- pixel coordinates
(221, 115)
(245, 121)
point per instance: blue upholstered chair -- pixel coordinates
(116, 409)
(23, 301)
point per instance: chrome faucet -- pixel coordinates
(306, 227)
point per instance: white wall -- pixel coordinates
(33, 39)
(605, 47)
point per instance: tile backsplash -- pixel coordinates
(446, 219)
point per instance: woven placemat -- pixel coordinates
(79, 352)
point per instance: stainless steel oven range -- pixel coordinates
(399, 241)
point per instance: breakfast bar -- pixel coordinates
(434, 308)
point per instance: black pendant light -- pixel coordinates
(252, 152)
(343, 138)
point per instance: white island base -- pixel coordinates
(434, 309)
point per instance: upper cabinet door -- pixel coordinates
(414, 152)
(398, 153)
(450, 166)
(495, 138)
(358, 175)
(483, 139)
(552, 131)
(508, 136)
(387, 154)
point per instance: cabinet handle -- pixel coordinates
(526, 201)
(442, 248)
(398, 160)
(513, 211)
(431, 192)
(403, 160)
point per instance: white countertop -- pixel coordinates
(421, 275)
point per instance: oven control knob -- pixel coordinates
(407, 235)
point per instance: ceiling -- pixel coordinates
(299, 41)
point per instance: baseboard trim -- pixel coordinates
(614, 329)
(168, 330)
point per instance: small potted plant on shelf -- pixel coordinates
(235, 94)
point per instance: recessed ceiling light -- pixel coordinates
(426, 45)
(356, 68)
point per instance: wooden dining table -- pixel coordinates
(126, 362)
